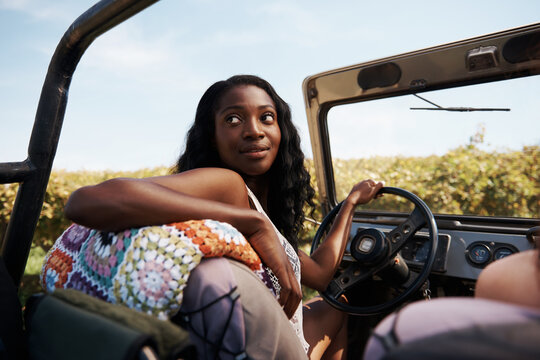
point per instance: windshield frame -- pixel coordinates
(337, 87)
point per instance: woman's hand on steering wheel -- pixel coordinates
(364, 191)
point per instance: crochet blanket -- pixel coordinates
(146, 268)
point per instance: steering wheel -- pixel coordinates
(375, 252)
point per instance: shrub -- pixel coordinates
(465, 180)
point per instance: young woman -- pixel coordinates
(242, 165)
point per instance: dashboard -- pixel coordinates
(460, 254)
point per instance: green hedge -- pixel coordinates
(61, 184)
(465, 180)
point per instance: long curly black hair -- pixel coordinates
(290, 189)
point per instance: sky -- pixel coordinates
(135, 90)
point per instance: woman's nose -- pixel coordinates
(253, 128)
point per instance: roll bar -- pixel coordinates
(33, 173)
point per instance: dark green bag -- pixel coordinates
(71, 325)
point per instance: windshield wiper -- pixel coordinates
(453, 108)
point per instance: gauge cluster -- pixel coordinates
(481, 253)
(460, 254)
(416, 250)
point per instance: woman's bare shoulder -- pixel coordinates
(205, 177)
(213, 172)
(218, 184)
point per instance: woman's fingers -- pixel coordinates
(290, 294)
(365, 190)
(284, 294)
(268, 246)
(294, 296)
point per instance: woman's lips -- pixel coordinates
(255, 152)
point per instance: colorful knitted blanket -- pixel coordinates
(146, 268)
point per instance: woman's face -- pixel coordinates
(247, 132)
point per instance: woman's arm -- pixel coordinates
(117, 204)
(317, 270)
(207, 193)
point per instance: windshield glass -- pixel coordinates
(477, 154)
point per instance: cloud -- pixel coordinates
(298, 25)
(313, 26)
(232, 38)
(268, 23)
(45, 11)
(125, 49)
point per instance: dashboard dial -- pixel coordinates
(479, 254)
(502, 252)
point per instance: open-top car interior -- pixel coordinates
(453, 130)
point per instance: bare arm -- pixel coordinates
(207, 193)
(198, 194)
(317, 270)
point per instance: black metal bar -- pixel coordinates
(48, 124)
(15, 172)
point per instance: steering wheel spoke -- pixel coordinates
(352, 275)
(405, 231)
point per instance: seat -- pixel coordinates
(457, 328)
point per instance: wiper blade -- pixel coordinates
(453, 108)
(462, 109)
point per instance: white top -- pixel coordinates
(296, 320)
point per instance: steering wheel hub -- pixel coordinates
(369, 246)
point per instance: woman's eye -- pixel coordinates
(268, 117)
(233, 119)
